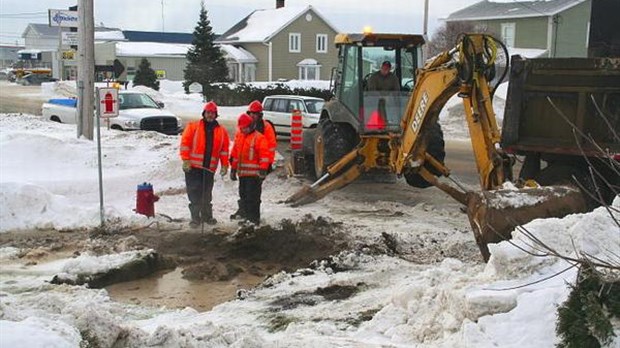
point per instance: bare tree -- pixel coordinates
(446, 36)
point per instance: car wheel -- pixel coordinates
(55, 119)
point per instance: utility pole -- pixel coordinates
(86, 68)
(425, 17)
(163, 29)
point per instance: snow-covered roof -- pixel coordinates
(238, 54)
(485, 10)
(150, 49)
(112, 35)
(45, 31)
(34, 51)
(262, 25)
(308, 61)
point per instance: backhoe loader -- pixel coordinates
(414, 148)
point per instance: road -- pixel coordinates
(15, 98)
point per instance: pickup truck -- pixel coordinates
(137, 111)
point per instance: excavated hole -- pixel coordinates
(193, 268)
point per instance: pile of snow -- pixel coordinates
(452, 115)
(451, 304)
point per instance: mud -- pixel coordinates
(195, 268)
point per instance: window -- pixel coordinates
(294, 42)
(321, 43)
(280, 105)
(267, 104)
(309, 72)
(309, 69)
(508, 34)
(295, 105)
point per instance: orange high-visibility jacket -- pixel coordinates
(249, 154)
(193, 146)
(270, 136)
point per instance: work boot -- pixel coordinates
(195, 216)
(207, 215)
(239, 214)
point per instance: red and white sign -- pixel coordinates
(108, 102)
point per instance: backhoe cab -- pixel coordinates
(345, 119)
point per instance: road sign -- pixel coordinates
(118, 68)
(107, 100)
(68, 55)
(69, 38)
(63, 18)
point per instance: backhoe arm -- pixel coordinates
(463, 69)
(341, 173)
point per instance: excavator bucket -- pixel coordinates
(493, 215)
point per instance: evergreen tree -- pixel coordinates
(206, 63)
(145, 76)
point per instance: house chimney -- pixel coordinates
(279, 3)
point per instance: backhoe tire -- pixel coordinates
(436, 148)
(331, 142)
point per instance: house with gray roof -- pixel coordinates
(563, 28)
(283, 43)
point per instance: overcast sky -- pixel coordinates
(181, 15)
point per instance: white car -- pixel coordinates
(137, 111)
(278, 109)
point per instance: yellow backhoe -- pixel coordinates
(413, 148)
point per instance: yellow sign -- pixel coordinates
(161, 74)
(68, 55)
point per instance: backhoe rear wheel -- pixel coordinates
(436, 148)
(331, 142)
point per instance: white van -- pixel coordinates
(278, 109)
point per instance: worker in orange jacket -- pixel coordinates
(250, 160)
(204, 145)
(255, 110)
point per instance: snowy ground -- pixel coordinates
(48, 180)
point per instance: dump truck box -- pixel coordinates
(549, 97)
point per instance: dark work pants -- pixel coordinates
(199, 196)
(250, 189)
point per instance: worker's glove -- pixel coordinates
(223, 171)
(262, 174)
(233, 175)
(186, 166)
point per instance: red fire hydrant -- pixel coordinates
(145, 200)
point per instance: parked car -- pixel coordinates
(277, 109)
(35, 79)
(137, 111)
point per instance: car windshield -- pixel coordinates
(314, 106)
(136, 101)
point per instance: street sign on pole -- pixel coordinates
(107, 101)
(63, 18)
(69, 38)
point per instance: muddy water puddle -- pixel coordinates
(211, 267)
(170, 289)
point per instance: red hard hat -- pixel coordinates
(210, 107)
(244, 121)
(255, 106)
